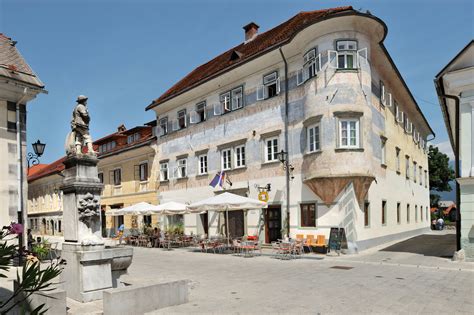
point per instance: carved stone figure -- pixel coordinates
(88, 207)
(79, 135)
(89, 220)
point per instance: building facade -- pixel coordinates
(455, 88)
(322, 88)
(18, 85)
(125, 168)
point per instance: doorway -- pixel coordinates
(272, 224)
(103, 221)
(236, 223)
(205, 222)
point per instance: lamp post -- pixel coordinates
(33, 158)
(283, 158)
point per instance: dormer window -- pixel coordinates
(182, 119)
(346, 53)
(133, 138)
(270, 87)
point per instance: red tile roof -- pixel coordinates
(264, 42)
(43, 170)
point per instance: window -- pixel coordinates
(133, 138)
(271, 149)
(398, 212)
(225, 101)
(398, 160)
(313, 138)
(164, 173)
(59, 225)
(202, 167)
(239, 158)
(384, 212)
(182, 168)
(182, 119)
(408, 213)
(311, 66)
(237, 98)
(416, 213)
(347, 50)
(366, 213)
(421, 213)
(426, 179)
(308, 215)
(349, 133)
(11, 116)
(101, 178)
(226, 159)
(383, 151)
(201, 111)
(270, 87)
(143, 171)
(414, 171)
(117, 176)
(421, 175)
(147, 220)
(163, 126)
(407, 166)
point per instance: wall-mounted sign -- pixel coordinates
(263, 196)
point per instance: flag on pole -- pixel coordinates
(218, 180)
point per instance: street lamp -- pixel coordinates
(282, 156)
(33, 158)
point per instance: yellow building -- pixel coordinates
(125, 168)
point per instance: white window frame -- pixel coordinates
(164, 172)
(182, 168)
(236, 100)
(140, 170)
(202, 164)
(224, 100)
(272, 150)
(201, 106)
(226, 159)
(163, 126)
(182, 115)
(357, 132)
(342, 48)
(268, 80)
(239, 156)
(316, 143)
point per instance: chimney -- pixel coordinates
(251, 31)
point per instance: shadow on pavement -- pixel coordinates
(427, 245)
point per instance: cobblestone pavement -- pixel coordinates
(230, 284)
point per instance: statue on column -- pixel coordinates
(79, 135)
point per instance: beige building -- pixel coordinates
(18, 85)
(322, 88)
(126, 169)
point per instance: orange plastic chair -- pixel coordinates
(299, 236)
(310, 240)
(321, 242)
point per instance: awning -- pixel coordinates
(226, 202)
(141, 208)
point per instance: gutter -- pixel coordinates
(22, 215)
(442, 100)
(287, 168)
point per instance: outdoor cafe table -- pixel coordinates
(247, 248)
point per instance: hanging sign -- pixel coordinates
(263, 196)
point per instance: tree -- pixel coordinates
(440, 173)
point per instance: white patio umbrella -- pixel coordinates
(141, 208)
(226, 202)
(171, 208)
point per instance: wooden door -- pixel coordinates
(236, 223)
(272, 224)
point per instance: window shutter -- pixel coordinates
(332, 59)
(111, 177)
(382, 93)
(362, 57)
(299, 77)
(317, 61)
(389, 100)
(261, 92)
(193, 117)
(217, 109)
(136, 172)
(278, 86)
(175, 125)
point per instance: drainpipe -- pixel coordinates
(22, 215)
(457, 170)
(287, 169)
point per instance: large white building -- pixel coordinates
(322, 88)
(455, 88)
(18, 85)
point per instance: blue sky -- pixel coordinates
(122, 54)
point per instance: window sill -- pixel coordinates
(164, 181)
(182, 178)
(235, 169)
(144, 182)
(307, 227)
(317, 152)
(366, 226)
(118, 186)
(202, 175)
(347, 70)
(270, 162)
(349, 149)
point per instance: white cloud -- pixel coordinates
(445, 147)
